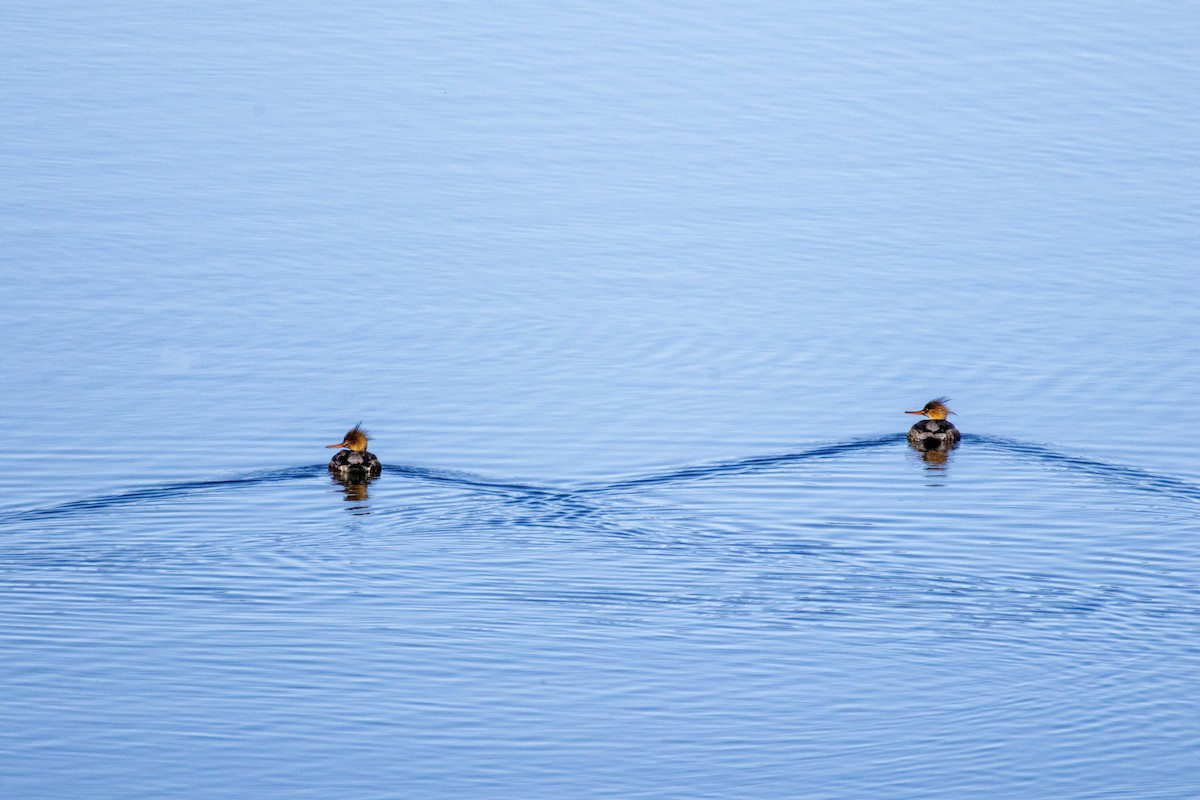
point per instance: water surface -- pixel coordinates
(631, 298)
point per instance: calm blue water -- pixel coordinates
(632, 298)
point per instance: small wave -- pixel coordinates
(518, 492)
(478, 483)
(162, 492)
(573, 503)
(741, 465)
(1129, 476)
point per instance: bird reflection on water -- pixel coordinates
(934, 459)
(354, 490)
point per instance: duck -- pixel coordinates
(353, 461)
(936, 432)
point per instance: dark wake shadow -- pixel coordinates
(565, 504)
(162, 492)
(1128, 476)
(574, 503)
(167, 491)
(527, 503)
(478, 483)
(742, 465)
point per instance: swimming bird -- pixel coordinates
(936, 432)
(354, 462)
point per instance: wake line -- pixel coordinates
(576, 498)
(479, 483)
(1132, 476)
(167, 491)
(164, 491)
(741, 465)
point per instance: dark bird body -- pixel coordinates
(354, 462)
(936, 432)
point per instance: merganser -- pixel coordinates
(936, 432)
(354, 461)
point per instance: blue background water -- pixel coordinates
(631, 297)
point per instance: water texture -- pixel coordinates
(631, 298)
